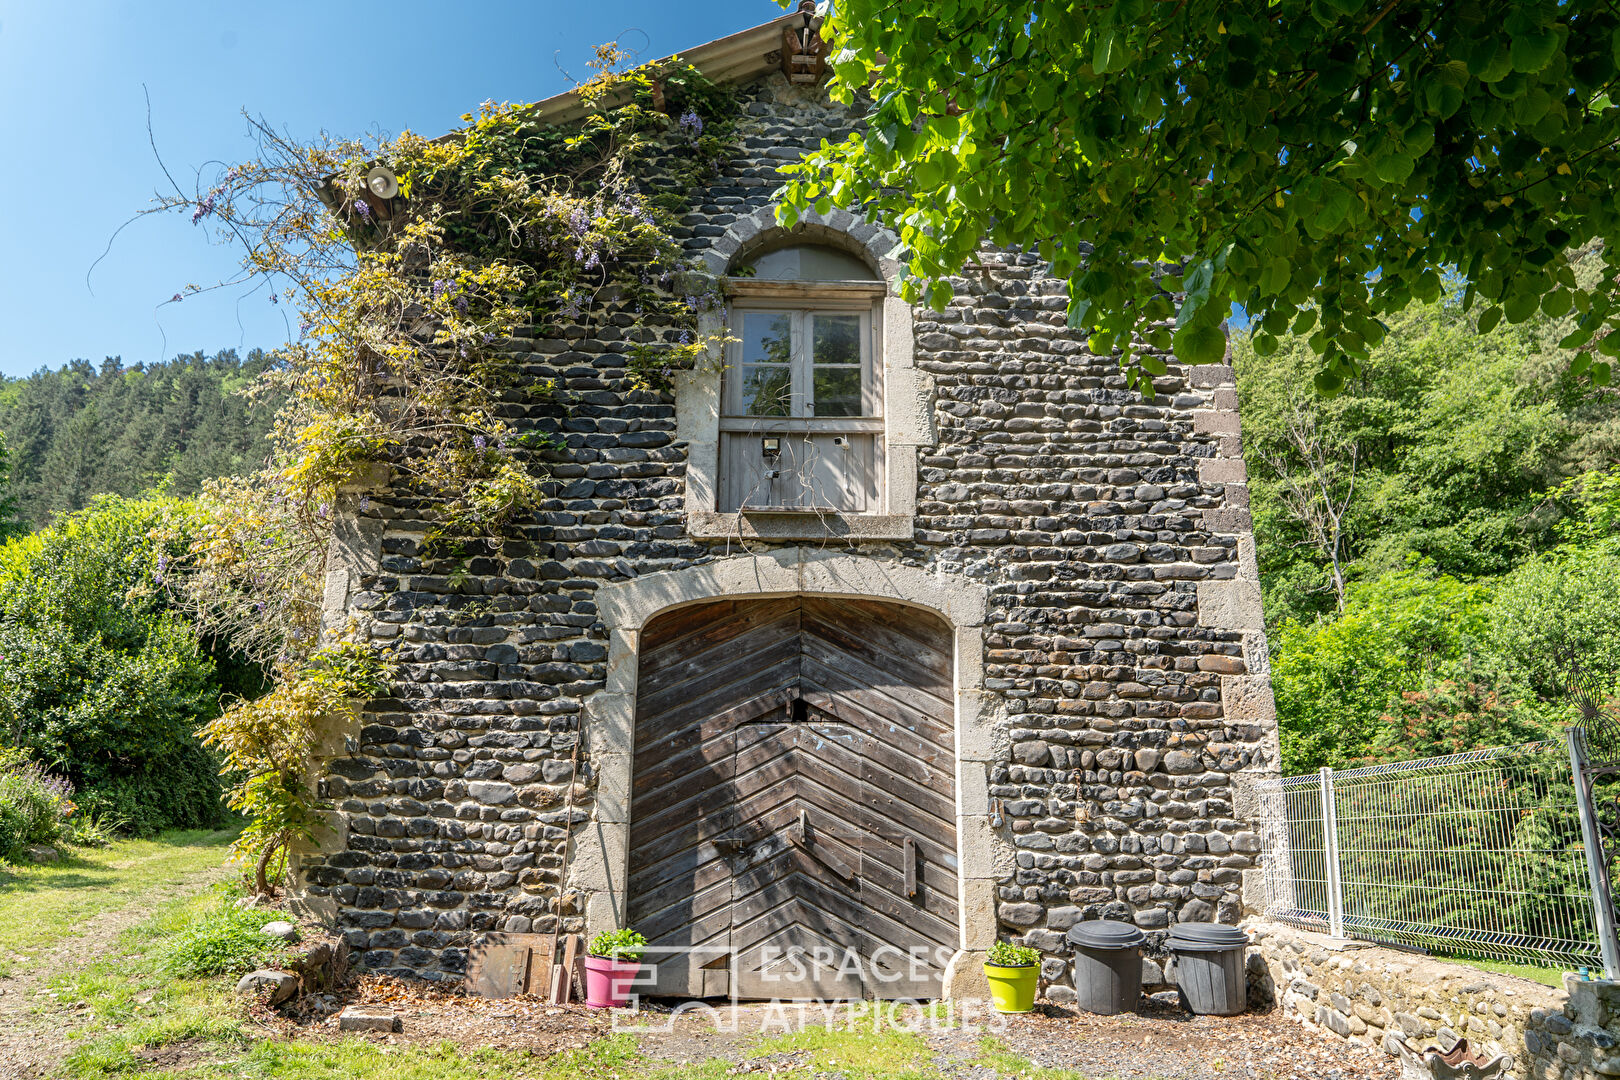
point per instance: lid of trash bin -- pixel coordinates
(1105, 934)
(1206, 937)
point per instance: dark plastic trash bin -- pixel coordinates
(1209, 967)
(1107, 965)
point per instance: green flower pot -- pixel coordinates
(1012, 989)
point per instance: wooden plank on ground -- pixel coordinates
(542, 966)
(563, 987)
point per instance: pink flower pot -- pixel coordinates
(607, 982)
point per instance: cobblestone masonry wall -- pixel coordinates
(1384, 998)
(1123, 646)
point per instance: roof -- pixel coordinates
(735, 58)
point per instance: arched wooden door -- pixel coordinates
(792, 824)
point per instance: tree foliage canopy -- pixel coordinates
(1443, 450)
(1320, 163)
(80, 430)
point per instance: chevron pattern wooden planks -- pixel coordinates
(793, 807)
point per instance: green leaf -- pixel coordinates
(1533, 51)
(1427, 287)
(1521, 306)
(1488, 320)
(1328, 383)
(1395, 168)
(1108, 56)
(1079, 308)
(1200, 343)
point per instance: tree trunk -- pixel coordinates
(261, 869)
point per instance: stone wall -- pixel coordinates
(1123, 644)
(1385, 998)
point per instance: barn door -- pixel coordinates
(792, 817)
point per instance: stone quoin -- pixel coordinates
(1083, 550)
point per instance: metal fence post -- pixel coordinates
(1330, 855)
(1596, 863)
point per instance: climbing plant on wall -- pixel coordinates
(1319, 162)
(407, 306)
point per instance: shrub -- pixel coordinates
(1006, 954)
(184, 795)
(100, 672)
(1561, 604)
(624, 945)
(1338, 681)
(34, 805)
(224, 940)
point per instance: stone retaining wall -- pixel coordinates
(1386, 998)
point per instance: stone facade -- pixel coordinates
(1389, 1000)
(1123, 676)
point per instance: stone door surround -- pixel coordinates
(599, 867)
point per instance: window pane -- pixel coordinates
(838, 391)
(766, 390)
(838, 339)
(767, 337)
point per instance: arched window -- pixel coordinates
(801, 423)
(808, 262)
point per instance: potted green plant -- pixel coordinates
(612, 961)
(1013, 971)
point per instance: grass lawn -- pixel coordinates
(41, 904)
(1547, 976)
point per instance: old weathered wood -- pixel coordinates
(562, 983)
(541, 964)
(794, 796)
(501, 965)
(908, 853)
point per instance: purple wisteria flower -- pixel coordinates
(479, 442)
(363, 208)
(303, 330)
(175, 299)
(579, 221)
(461, 304)
(204, 208)
(162, 564)
(691, 123)
(440, 288)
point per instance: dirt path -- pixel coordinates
(33, 1028)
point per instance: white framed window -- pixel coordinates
(804, 363)
(807, 425)
(801, 422)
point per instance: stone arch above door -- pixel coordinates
(599, 865)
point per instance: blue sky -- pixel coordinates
(73, 125)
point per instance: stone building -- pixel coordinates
(903, 630)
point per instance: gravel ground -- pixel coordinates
(1171, 1044)
(1158, 1044)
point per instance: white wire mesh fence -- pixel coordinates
(1476, 854)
